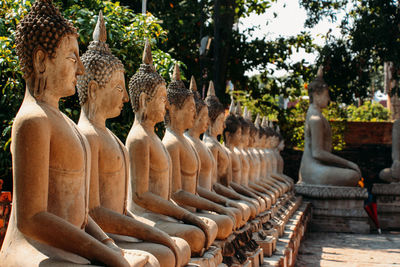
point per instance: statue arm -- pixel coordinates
(211, 195)
(317, 150)
(32, 177)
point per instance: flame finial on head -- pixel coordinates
(320, 73)
(238, 109)
(264, 122)
(193, 85)
(100, 33)
(257, 122)
(232, 107)
(211, 90)
(176, 75)
(147, 56)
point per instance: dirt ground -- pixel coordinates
(340, 249)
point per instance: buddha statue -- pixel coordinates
(392, 174)
(50, 224)
(102, 95)
(271, 178)
(232, 136)
(149, 196)
(185, 160)
(245, 153)
(216, 113)
(207, 162)
(318, 164)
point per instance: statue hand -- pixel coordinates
(110, 243)
(396, 169)
(175, 250)
(230, 214)
(193, 219)
(355, 167)
(233, 204)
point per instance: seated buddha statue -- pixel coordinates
(50, 224)
(185, 160)
(232, 136)
(272, 178)
(102, 95)
(149, 196)
(207, 162)
(318, 164)
(216, 113)
(277, 146)
(392, 174)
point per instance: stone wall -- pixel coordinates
(371, 159)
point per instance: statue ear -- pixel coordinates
(142, 100)
(93, 88)
(39, 60)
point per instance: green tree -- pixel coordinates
(126, 32)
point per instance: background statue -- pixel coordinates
(392, 174)
(51, 159)
(102, 95)
(318, 164)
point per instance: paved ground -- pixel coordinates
(338, 249)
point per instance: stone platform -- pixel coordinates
(388, 205)
(336, 208)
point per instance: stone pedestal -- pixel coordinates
(388, 205)
(336, 208)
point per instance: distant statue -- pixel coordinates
(392, 174)
(318, 164)
(50, 224)
(102, 95)
(150, 163)
(185, 159)
(223, 171)
(207, 162)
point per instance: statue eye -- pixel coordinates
(119, 88)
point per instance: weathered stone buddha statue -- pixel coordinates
(150, 164)
(185, 160)
(50, 224)
(102, 95)
(207, 162)
(216, 113)
(392, 174)
(248, 153)
(318, 164)
(272, 178)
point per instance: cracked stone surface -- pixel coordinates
(341, 249)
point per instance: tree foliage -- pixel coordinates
(126, 32)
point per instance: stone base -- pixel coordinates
(211, 258)
(336, 208)
(388, 205)
(288, 245)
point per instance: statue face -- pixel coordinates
(321, 99)
(263, 141)
(156, 105)
(245, 138)
(62, 70)
(237, 137)
(219, 123)
(281, 145)
(268, 142)
(112, 97)
(275, 141)
(202, 120)
(187, 113)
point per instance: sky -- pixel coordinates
(289, 21)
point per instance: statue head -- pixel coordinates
(47, 48)
(252, 129)
(233, 130)
(103, 84)
(181, 101)
(318, 90)
(147, 89)
(201, 117)
(243, 124)
(216, 110)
